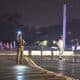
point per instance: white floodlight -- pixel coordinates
(19, 33)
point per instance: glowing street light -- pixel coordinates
(19, 33)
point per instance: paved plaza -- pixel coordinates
(69, 66)
(9, 70)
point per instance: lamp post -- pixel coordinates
(64, 26)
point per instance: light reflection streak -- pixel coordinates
(19, 77)
(19, 70)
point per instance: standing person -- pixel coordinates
(20, 48)
(59, 44)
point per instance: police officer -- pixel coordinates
(20, 48)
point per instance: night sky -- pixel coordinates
(38, 13)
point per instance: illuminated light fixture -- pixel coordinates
(19, 33)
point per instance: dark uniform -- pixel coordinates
(20, 48)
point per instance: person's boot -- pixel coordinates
(60, 57)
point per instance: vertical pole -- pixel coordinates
(64, 26)
(14, 44)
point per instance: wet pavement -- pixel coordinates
(9, 70)
(69, 66)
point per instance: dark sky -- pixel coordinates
(40, 12)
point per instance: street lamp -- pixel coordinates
(19, 33)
